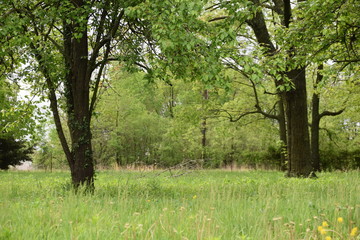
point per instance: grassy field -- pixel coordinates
(201, 205)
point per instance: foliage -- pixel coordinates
(17, 118)
(48, 154)
(67, 44)
(156, 123)
(213, 44)
(18, 128)
(133, 125)
(13, 152)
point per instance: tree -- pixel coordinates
(221, 42)
(16, 124)
(69, 43)
(316, 116)
(13, 152)
(129, 124)
(329, 36)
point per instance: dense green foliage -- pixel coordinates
(200, 205)
(12, 152)
(139, 123)
(17, 126)
(224, 83)
(17, 117)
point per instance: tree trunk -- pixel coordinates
(297, 126)
(77, 88)
(204, 130)
(82, 171)
(315, 123)
(282, 132)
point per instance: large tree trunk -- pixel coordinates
(82, 171)
(77, 88)
(297, 126)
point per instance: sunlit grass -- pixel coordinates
(200, 205)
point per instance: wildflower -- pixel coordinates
(340, 219)
(322, 230)
(353, 232)
(148, 200)
(328, 238)
(127, 225)
(325, 224)
(194, 197)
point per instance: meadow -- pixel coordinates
(204, 204)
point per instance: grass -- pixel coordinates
(203, 205)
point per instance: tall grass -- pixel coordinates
(202, 205)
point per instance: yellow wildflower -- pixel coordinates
(328, 238)
(322, 230)
(325, 224)
(353, 232)
(194, 197)
(340, 219)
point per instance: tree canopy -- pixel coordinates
(282, 65)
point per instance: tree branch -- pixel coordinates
(328, 113)
(218, 18)
(98, 78)
(53, 103)
(100, 43)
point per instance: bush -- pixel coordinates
(340, 160)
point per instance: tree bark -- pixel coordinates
(82, 171)
(282, 132)
(297, 126)
(315, 129)
(315, 123)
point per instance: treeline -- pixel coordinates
(162, 124)
(260, 83)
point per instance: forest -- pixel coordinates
(254, 84)
(180, 119)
